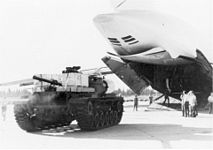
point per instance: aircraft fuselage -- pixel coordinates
(139, 36)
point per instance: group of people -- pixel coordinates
(189, 104)
(136, 101)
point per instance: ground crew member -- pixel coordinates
(210, 100)
(183, 97)
(192, 103)
(166, 94)
(150, 99)
(3, 109)
(186, 105)
(166, 98)
(135, 103)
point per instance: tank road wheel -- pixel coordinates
(115, 116)
(111, 117)
(107, 119)
(96, 121)
(90, 108)
(120, 114)
(24, 119)
(104, 119)
(119, 107)
(85, 117)
(101, 119)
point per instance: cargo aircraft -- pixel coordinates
(158, 50)
(153, 49)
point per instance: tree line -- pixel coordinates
(129, 92)
(15, 93)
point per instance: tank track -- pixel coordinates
(99, 120)
(23, 118)
(31, 122)
(90, 113)
(90, 116)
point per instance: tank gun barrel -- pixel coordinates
(54, 82)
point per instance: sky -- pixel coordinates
(45, 36)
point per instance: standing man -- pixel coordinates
(192, 104)
(135, 103)
(210, 100)
(150, 99)
(3, 109)
(183, 97)
(186, 105)
(166, 98)
(167, 92)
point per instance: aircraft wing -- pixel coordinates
(156, 56)
(98, 71)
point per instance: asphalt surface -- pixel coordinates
(145, 128)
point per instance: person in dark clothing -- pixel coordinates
(135, 103)
(166, 97)
(166, 94)
(183, 98)
(150, 99)
(3, 109)
(186, 108)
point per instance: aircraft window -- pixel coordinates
(129, 40)
(115, 41)
(112, 39)
(117, 44)
(126, 37)
(133, 42)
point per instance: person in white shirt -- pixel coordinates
(192, 104)
(210, 100)
(183, 97)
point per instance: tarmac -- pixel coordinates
(152, 126)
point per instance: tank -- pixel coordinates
(59, 99)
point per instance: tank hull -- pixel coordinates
(46, 110)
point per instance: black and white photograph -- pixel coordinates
(106, 74)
